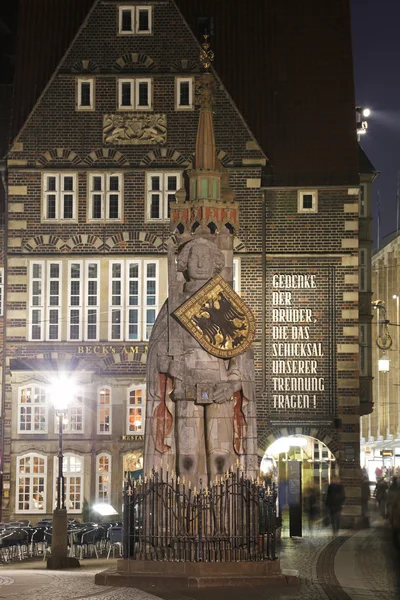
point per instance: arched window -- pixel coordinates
(136, 410)
(32, 409)
(73, 478)
(103, 478)
(104, 412)
(31, 483)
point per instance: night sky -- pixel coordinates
(376, 55)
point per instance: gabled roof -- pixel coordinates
(286, 64)
(45, 30)
(365, 165)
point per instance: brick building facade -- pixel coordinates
(99, 151)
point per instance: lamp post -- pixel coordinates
(62, 392)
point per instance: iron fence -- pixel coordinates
(232, 520)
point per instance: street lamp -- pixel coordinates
(62, 391)
(383, 339)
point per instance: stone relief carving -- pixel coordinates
(135, 128)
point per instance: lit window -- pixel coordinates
(104, 411)
(136, 411)
(83, 300)
(31, 483)
(161, 191)
(32, 410)
(73, 418)
(85, 94)
(236, 275)
(73, 481)
(103, 478)
(184, 93)
(307, 201)
(105, 197)
(133, 299)
(45, 301)
(59, 197)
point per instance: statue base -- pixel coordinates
(143, 573)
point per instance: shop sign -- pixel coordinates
(386, 452)
(106, 349)
(132, 438)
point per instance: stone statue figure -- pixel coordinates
(192, 437)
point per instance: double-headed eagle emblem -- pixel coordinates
(218, 319)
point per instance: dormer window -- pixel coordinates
(134, 20)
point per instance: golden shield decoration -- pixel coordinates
(218, 319)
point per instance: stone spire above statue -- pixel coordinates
(210, 209)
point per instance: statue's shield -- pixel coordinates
(218, 319)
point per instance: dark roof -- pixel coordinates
(365, 165)
(45, 30)
(286, 64)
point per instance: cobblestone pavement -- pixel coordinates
(353, 566)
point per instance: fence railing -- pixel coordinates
(232, 520)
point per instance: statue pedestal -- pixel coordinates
(137, 573)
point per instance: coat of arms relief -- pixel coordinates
(135, 128)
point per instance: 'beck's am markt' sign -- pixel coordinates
(300, 341)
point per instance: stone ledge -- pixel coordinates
(112, 577)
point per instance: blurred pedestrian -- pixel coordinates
(381, 496)
(365, 496)
(335, 498)
(391, 497)
(310, 505)
(394, 512)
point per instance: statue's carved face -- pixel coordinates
(200, 264)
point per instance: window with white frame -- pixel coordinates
(133, 299)
(363, 342)
(1, 291)
(104, 410)
(236, 275)
(105, 197)
(73, 417)
(184, 93)
(135, 94)
(73, 479)
(362, 270)
(103, 478)
(45, 300)
(143, 94)
(307, 201)
(362, 197)
(85, 93)
(126, 94)
(31, 483)
(136, 410)
(134, 20)
(32, 409)
(83, 300)
(59, 197)
(161, 191)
